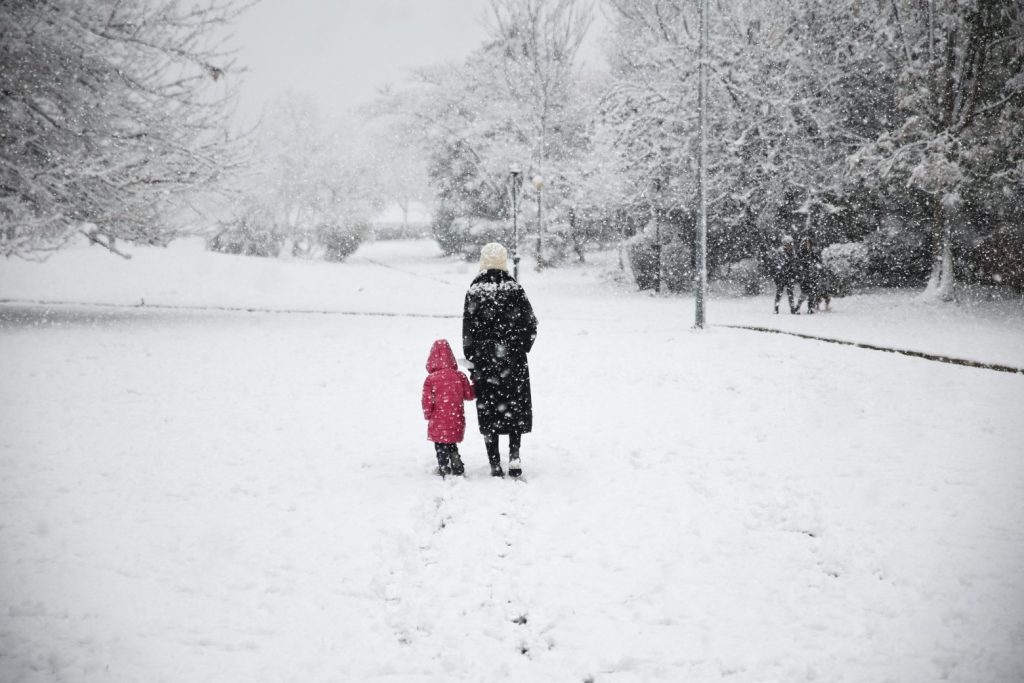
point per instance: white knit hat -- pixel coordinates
(493, 256)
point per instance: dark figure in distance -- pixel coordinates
(783, 267)
(810, 274)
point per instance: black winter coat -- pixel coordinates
(498, 330)
(784, 267)
(808, 268)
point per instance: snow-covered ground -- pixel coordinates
(189, 493)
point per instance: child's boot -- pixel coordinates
(515, 468)
(443, 468)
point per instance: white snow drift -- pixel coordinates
(214, 495)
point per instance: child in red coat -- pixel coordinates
(444, 390)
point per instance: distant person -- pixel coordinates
(783, 267)
(498, 331)
(444, 390)
(828, 286)
(810, 274)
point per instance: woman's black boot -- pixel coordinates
(515, 468)
(496, 470)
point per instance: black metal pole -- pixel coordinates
(515, 227)
(701, 250)
(540, 229)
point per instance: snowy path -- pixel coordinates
(215, 496)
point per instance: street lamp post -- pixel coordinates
(514, 174)
(538, 184)
(701, 237)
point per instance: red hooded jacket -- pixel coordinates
(444, 390)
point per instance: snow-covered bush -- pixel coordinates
(746, 273)
(480, 231)
(247, 235)
(341, 241)
(848, 264)
(444, 232)
(555, 244)
(395, 230)
(465, 235)
(644, 255)
(898, 256)
(677, 266)
(998, 258)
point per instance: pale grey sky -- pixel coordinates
(342, 51)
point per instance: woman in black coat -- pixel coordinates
(498, 330)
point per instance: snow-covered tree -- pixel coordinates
(393, 144)
(537, 43)
(455, 115)
(471, 139)
(111, 113)
(788, 79)
(955, 138)
(513, 100)
(311, 185)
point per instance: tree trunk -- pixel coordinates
(941, 281)
(109, 244)
(403, 204)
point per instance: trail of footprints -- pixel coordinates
(461, 563)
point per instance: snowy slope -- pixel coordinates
(975, 328)
(207, 495)
(421, 282)
(185, 274)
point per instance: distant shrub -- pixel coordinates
(598, 227)
(401, 231)
(644, 260)
(555, 244)
(246, 235)
(465, 235)
(998, 258)
(677, 266)
(746, 273)
(445, 232)
(475, 232)
(897, 257)
(341, 241)
(848, 264)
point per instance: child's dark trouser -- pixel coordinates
(444, 452)
(448, 457)
(491, 443)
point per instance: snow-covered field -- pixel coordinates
(189, 493)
